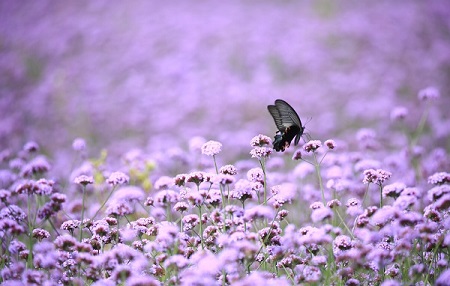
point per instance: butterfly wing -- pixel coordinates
(288, 115)
(276, 115)
(287, 122)
(290, 120)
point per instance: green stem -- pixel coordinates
(96, 213)
(381, 196)
(317, 167)
(201, 227)
(30, 235)
(82, 213)
(262, 163)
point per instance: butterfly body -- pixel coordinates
(288, 124)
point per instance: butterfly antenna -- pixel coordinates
(309, 119)
(308, 136)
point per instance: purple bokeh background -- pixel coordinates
(152, 75)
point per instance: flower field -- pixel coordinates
(136, 145)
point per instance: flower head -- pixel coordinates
(297, 155)
(378, 176)
(211, 148)
(312, 145)
(330, 144)
(84, 180)
(439, 178)
(228, 170)
(260, 140)
(429, 93)
(260, 152)
(399, 113)
(79, 144)
(118, 178)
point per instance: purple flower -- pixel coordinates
(36, 166)
(196, 177)
(321, 214)
(181, 207)
(119, 208)
(437, 192)
(40, 234)
(399, 113)
(312, 146)
(439, 178)
(260, 140)
(255, 175)
(390, 282)
(443, 203)
(79, 145)
(165, 197)
(260, 152)
(282, 194)
(211, 148)
(223, 179)
(258, 212)
(354, 207)
(118, 178)
(4, 195)
(45, 255)
(31, 147)
(297, 155)
(378, 176)
(330, 144)
(70, 225)
(228, 170)
(242, 190)
(384, 216)
(444, 278)
(180, 179)
(190, 221)
(429, 93)
(84, 180)
(129, 194)
(393, 190)
(65, 242)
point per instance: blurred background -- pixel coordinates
(153, 74)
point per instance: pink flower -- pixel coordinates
(260, 140)
(211, 148)
(312, 145)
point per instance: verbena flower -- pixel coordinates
(211, 148)
(297, 155)
(260, 140)
(255, 175)
(84, 180)
(260, 152)
(354, 207)
(330, 144)
(393, 190)
(228, 170)
(378, 176)
(117, 178)
(31, 147)
(312, 146)
(399, 113)
(40, 234)
(258, 212)
(439, 178)
(429, 93)
(36, 166)
(79, 144)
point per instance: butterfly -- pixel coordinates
(288, 123)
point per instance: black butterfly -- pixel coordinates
(288, 123)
